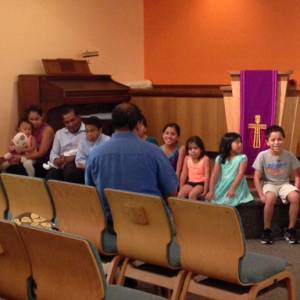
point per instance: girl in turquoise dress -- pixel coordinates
(228, 184)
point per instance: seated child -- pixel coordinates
(22, 144)
(171, 148)
(94, 137)
(195, 172)
(142, 132)
(228, 184)
(274, 166)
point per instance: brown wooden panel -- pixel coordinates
(66, 66)
(28, 92)
(196, 116)
(180, 90)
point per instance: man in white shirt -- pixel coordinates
(65, 146)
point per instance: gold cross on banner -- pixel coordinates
(257, 131)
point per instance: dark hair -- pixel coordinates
(126, 115)
(68, 109)
(144, 121)
(34, 108)
(198, 141)
(225, 145)
(93, 121)
(274, 128)
(172, 125)
(23, 120)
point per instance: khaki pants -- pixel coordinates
(280, 190)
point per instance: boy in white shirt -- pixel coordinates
(94, 137)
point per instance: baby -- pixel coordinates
(22, 143)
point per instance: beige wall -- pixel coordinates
(34, 29)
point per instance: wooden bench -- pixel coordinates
(252, 218)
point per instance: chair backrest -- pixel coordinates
(27, 194)
(14, 263)
(63, 266)
(3, 203)
(142, 226)
(210, 238)
(78, 210)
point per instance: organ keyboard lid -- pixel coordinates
(69, 82)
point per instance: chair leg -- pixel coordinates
(112, 269)
(121, 277)
(179, 281)
(186, 286)
(291, 287)
(285, 276)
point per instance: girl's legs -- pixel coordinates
(195, 192)
(184, 191)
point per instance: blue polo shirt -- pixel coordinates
(129, 163)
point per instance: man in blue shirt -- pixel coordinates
(126, 162)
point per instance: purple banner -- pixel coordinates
(258, 110)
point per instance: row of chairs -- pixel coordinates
(74, 208)
(210, 238)
(42, 264)
(211, 243)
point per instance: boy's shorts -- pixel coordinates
(280, 190)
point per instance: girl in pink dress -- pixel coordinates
(194, 178)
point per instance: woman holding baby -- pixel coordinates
(43, 135)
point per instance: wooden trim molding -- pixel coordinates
(195, 91)
(203, 91)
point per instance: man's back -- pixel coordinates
(128, 163)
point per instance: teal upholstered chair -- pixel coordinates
(144, 234)
(79, 211)
(15, 270)
(212, 244)
(66, 266)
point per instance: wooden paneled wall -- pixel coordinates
(291, 123)
(196, 116)
(199, 110)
